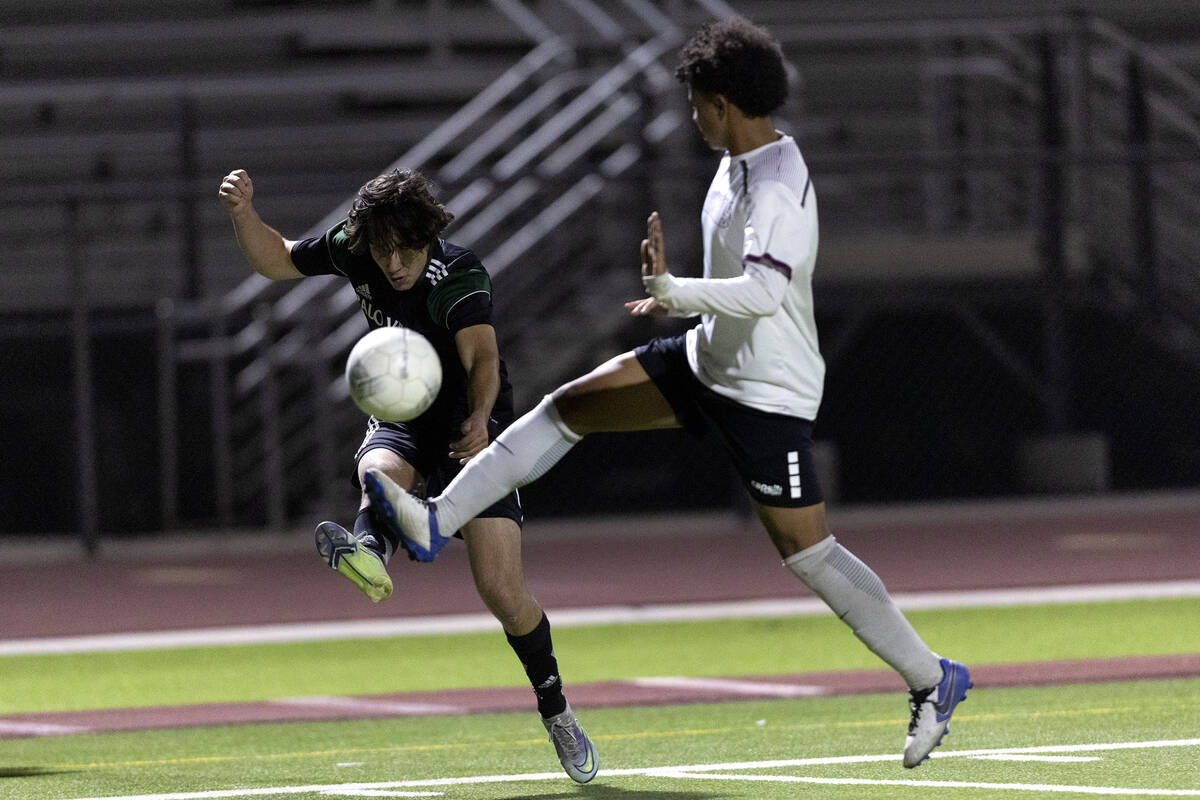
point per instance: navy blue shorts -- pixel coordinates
(425, 446)
(771, 452)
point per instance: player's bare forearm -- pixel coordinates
(264, 248)
(480, 358)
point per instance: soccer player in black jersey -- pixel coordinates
(404, 274)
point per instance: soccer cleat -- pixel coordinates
(342, 551)
(411, 519)
(574, 748)
(931, 710)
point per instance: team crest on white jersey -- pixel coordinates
(726, 213)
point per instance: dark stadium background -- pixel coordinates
(1008, 291)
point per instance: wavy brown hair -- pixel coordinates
(397, 209)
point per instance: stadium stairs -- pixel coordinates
(936, 134)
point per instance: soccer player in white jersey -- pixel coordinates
(751, 369)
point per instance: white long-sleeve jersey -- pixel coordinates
(757, 338)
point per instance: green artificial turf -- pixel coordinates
(378, 754)
(613, 652)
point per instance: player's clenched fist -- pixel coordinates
(237, 190)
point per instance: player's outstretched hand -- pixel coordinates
(237, 191)
(646, 307)
(654, 255)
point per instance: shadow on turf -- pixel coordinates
(29, 772)
(594, 792)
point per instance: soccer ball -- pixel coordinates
(394, 374)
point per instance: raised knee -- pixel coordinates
(506, 602)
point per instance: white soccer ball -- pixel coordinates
(394, 374)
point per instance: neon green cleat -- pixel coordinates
(343, 552)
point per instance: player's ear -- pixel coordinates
(721, 105)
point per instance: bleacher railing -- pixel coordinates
(1097, 123)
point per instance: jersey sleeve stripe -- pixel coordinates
(765, 260)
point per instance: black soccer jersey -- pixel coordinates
(455, 292)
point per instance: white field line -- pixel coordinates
(581, 617)
(1012, 787)
(379, 793)
(1047, 759)
(720, 772)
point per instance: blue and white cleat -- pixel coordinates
(574, 748)
(343, 552)
(411, 519)
(931, 710)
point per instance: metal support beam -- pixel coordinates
(1141, 189)
(1052, 253)
(168, 415)
(84, 386)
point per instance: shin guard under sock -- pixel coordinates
(859, 598)
(520, 455)
(536, 652)
(374, 537)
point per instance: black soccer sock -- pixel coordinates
(536, 652)
(374, 537)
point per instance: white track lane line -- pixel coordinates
(39, 728)
(580, 617)
(373, 706)
(720, 686)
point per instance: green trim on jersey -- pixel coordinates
(449, 288)
(339, 247)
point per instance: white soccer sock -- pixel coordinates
(859, 598)
(520, 455)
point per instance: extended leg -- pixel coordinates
(616, 396)
(859, 598)
(494, 550)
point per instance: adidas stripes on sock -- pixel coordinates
(859, 598)
(372, 536)
(536, 652)
(520, 455)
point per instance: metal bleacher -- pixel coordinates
(963, 153)
(160, 107)
(517, 164)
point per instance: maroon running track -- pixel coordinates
(213, 580)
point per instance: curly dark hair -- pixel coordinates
(737, 59)
(397, 209)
